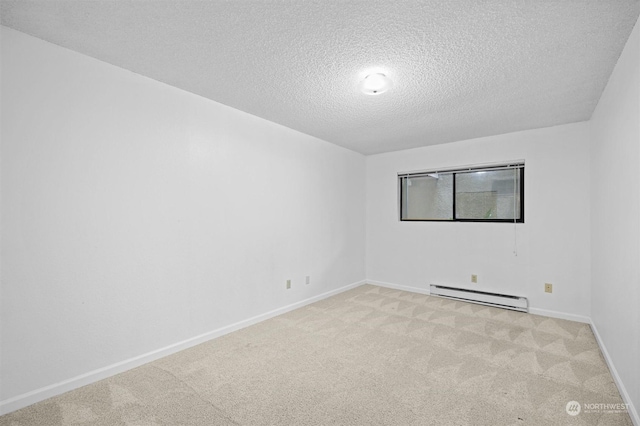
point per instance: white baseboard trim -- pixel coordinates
(26, 399)
(399, 287)
(633, 413)
(535, 311)
(560, 315)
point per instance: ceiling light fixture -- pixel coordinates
(375, 84)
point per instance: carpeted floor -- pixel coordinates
(369, 356)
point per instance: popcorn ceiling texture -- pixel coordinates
(460, 69)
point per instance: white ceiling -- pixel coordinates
(461, 69)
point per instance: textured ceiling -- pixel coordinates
(460, 69)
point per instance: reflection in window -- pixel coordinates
(492, 194)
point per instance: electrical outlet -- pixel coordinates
(288, 284)
(548, 288)
(474, 278)
(308, 280)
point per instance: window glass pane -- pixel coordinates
(488, 194)
(427, 197)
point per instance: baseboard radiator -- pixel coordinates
(505, 301)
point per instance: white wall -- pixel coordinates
(136, 215)
(552, 244)
(615, 220)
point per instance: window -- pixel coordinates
(475, 194)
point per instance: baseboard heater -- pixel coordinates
(504, 301)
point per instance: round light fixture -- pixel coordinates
(375, 84)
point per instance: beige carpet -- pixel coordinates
(369, 356)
